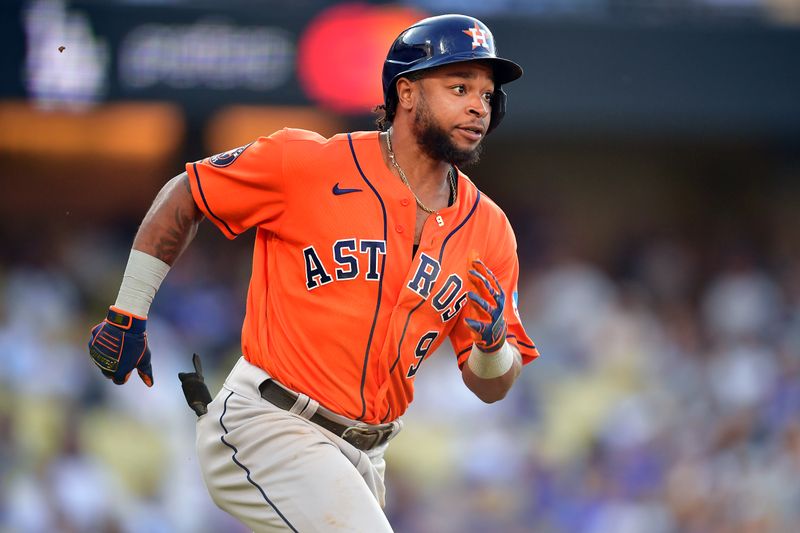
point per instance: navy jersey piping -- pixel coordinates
(380, 281)
(469, 215)
(403, 335)
(441, 254)
(512, 337)
(205, 202)
(247, 471)
(531, 346)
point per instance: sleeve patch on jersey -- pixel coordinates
(225, 159)
(515, 301)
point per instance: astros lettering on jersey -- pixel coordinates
(349, 314)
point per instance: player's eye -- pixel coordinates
(488, 96)
(459, 89)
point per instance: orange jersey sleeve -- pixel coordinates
(502, 260)
(251, 192)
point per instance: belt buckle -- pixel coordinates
(366, 437)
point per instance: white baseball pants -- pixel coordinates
(276, 471)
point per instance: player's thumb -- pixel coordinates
(145, 370)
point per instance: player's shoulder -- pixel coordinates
(305, 151)
(301, 148)
(297, 135)
(306, 143)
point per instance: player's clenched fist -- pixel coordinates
(487, 301)
(119, 344)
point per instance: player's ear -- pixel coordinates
(406, 90)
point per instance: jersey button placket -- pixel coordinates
(405, 201)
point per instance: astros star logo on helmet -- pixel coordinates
(478, 37)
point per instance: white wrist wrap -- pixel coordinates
(491, 365)
(142, 278)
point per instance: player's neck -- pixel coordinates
(422, 172)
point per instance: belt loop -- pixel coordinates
(304, 406)
(310, 409)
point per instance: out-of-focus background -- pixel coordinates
(649, 162)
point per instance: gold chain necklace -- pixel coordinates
(403, 177)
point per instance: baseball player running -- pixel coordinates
(371, 248)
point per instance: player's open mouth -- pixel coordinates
(473, 133)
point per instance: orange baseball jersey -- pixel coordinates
(339, 307)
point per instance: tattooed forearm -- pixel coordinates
(175, 238)
(171, 223)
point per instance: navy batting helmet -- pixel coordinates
(443, 40)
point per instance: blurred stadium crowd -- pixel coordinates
(665, 400)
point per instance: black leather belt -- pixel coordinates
(363, 437)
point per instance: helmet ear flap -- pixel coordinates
(499, 99)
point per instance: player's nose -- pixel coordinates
(478, 106)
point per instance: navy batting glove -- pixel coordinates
(119, 344)
(487, 300)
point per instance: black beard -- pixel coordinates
(436, 144)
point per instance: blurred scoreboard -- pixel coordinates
(77, 53)
(581, 76)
